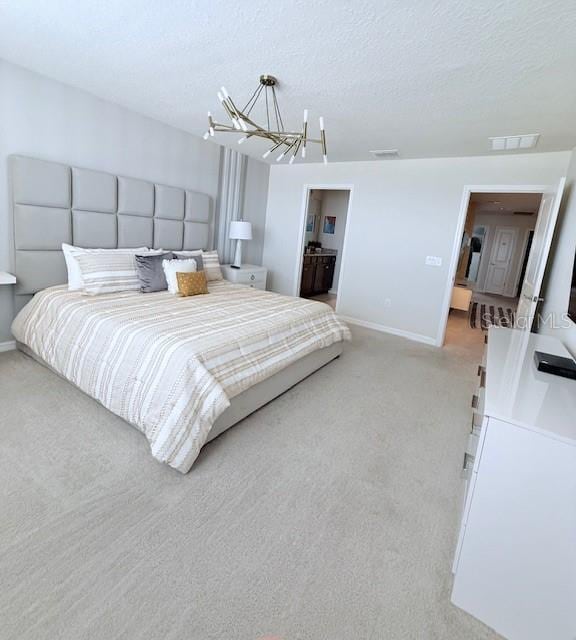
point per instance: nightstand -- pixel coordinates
(249, 274)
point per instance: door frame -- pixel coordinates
(467, 191)
(302, 234)
(524, 258)
(516, 231)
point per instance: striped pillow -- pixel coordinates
(109, 272)
(212, 265)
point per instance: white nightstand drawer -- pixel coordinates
(251, 275)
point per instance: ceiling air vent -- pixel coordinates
(524, 213)
(382, 154)
(514, 143)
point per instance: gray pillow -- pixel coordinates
(150, 273)
(186, 255)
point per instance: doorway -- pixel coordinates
(325, 225)
(494, 252)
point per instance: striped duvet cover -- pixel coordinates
(170, 365)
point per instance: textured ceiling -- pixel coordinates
(432, 78)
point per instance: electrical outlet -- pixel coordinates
(433, 261)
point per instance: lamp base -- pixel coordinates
(238, 255)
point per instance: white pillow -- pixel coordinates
(75, 279)
(171, 267)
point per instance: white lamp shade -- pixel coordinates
(240, 230)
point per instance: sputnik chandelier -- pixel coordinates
(289, 143)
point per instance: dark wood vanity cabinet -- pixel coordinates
(317, 274)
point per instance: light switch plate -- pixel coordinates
(433, 261)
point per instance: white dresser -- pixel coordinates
(515, 563)
(250, 274)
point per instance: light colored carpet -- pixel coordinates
(329, 514)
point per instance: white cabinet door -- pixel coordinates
(517, 566)
(543, 233)
(501, 259)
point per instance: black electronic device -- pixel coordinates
(556, 365)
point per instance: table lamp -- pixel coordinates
(239, 230)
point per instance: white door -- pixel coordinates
(543, 233)
(501, 259)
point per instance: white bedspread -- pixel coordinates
(169, 365)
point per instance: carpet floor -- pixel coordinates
(330, 514)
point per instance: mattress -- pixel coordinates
(170, 365)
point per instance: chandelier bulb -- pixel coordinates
(225, 93)
(321, 123)
(325, 158)
(220, 97)
(305, 115)
(211, 131)
(280, 156)
(291, 161)
(206, 135)
(242, 139)
(267, 153)
(304, 151)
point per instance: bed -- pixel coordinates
(181, 370)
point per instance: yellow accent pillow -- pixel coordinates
(192, 284)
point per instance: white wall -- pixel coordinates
(492, 221)
(46, 119)
(334, 203)
(400, 212)
(559, 273)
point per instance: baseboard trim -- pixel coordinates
(10, 345)
(416, 337)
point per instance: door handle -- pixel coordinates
(532, 299)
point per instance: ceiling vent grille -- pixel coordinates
(384, 153)
(514, 143)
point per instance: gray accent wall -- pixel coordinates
(45, 119)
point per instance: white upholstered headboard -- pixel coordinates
(53, 203)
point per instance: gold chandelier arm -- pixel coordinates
(323, 142)
(272, 149)
(286, 150)
(323, 139)
(238, 114)
(304, 132)
(279, 136)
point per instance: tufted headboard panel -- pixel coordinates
(53, 203)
